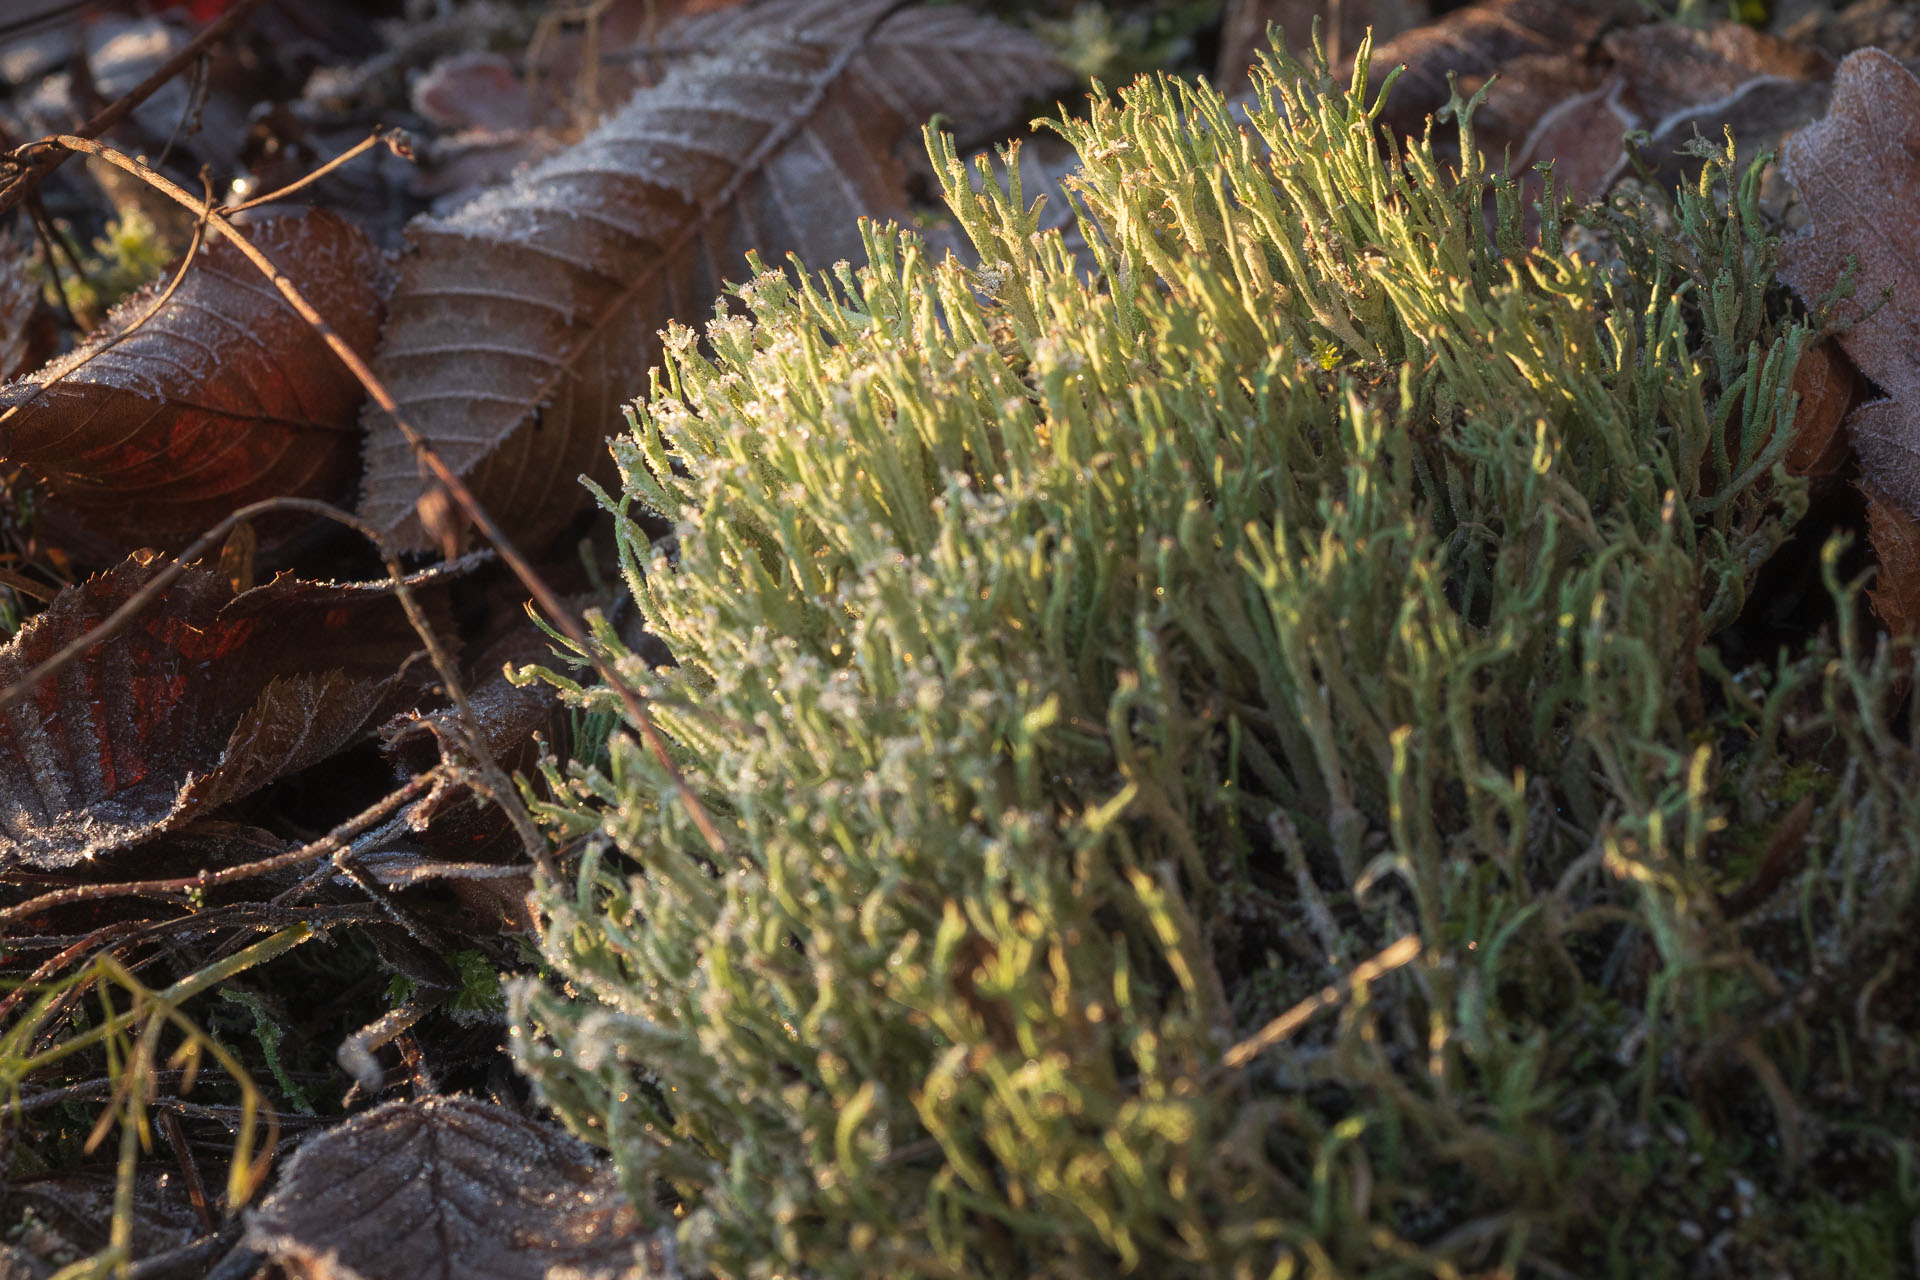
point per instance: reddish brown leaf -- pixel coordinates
(1839, 29)
(204, 697)
(1858, 171)
(1581, 136)
(1676, 81)
(1824, 382)
(1895, 592)
(1687, 83)
(474, 91)
(451, 1189)
(1484, 39)
(525, 320)
(224, 397)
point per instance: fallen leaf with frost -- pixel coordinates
(1858, 173)
(1673, 67)
(204, 697)
(452, 1189)
(527, 318)
(224, 397)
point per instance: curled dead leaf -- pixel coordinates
(1482, 40)
(224, 397)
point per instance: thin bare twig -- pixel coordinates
(34, 171)
(321, 848)
(396, 140)
(1400, 953)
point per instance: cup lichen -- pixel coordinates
(1088, 668)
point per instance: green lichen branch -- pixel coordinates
(1092, 664)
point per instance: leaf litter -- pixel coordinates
(202, 699)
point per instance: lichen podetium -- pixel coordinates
(1089, 665)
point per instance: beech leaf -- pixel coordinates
(527, 318)
(204, 697)
(223, 398)
(451, 1189)
(1858, 171)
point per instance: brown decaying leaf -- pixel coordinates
(201, 699)
(1672, 67)
(223, 398)
(1482, 40)
(1858, 173)
(1685, 83)
(451, 1189)
(1895, 590)
(1674, 80)
(1824, 382)
(1581, 136)
(525, 320)
(477, 90)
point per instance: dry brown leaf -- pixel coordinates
(202, 698)
(1762, 113)
(476, 90)
(224, 397)
(1486, 39)
(1892, 26)
(451, 1189)
(1824, 382)
(1895, 591)
(526, 319)
(1858, 173)
(1582, 137)
(1672, 67)
(1687, 83)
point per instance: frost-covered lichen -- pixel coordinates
(1086, 670)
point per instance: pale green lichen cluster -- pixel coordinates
(1084, 671)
